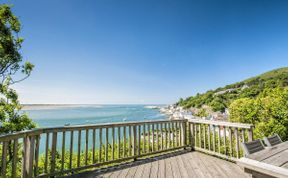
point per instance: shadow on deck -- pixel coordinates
(178, 164)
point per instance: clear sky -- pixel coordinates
(146, 51)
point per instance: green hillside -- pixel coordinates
(221, 98)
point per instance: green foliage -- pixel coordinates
(268, 112)
(11, 65)
(201, 113)
(221, 98)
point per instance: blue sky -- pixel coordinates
(112, 52)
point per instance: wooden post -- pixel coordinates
(113, 142)
(93, 145)
(134, 141)
(63, 151)
(71, 149)
(231, 141)
(183, 128)
(192, 136)
(224, 140)
(4, 159)
(250, 134)
(79, 148)
(28, 156)
(214, 139)
(15, 158)
(36, 155)
(237, 143)
(209, 137)
(219, 139)
(53, 152)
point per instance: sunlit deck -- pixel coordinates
(180, 164)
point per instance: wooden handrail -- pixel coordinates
(80, 147)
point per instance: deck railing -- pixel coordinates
(48, 152)
(219, 138)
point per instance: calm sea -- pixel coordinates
(88, 114)
(92, 114)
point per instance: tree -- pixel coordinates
(268, 112)
(11, 66)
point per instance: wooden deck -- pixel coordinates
(179, 164)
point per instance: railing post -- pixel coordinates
(250, 134)
(184, 130)
(29, 143)
(134, 140)
(192, 136)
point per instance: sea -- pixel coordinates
(51, 116)
(57, 116)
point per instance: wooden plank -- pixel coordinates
(221, 123)
(173, 135)
(204, 136)
(139, 171)
(4, 159)
(169, 136)
(124, 142)
(209, 137)
(144, 138)
(175, 167)
(200, 135)
(219, 140)
(53, 152)
(153, 136)
(237, 143)
(196, 135)
(250, 135)
(93, 145)
(106, 144)
(192, 135)
(154, 169)
(231, 141)
(134, 141)
(130, 141)
(132, 171)
(162, 137)
(30, 145)
(119, 141)
(224, 140)
(139, 140)
(113, 143)
(168, 168)
(86, 146)
(268, 152)
(161, 169)
(147, 170)
(46, 153)
(63, 150)
(123, 173)
(182, 168)
(214, 139)
(15, 158)
(36, 163)
(100, 145)
(79, 149)
(71, 149)
(278, 160)
(243, 135)
(157, 137)
(264, 168)
(149, 139)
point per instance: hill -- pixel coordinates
(220, 98)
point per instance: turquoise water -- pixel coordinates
(55, 117)
(93, 114)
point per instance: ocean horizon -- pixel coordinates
(55, 115)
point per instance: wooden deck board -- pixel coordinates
(183, 165)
